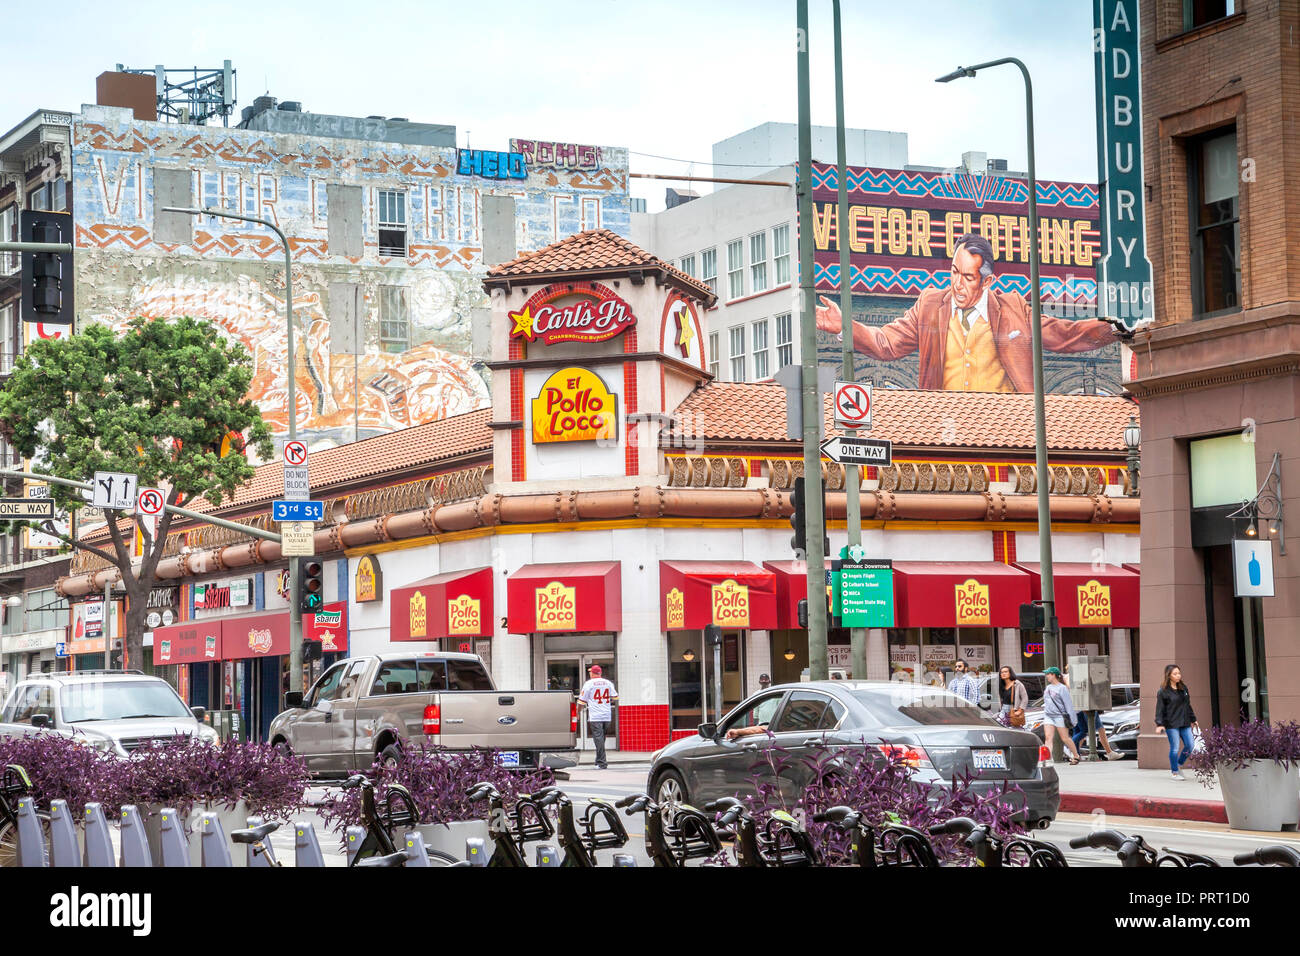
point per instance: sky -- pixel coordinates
(664, 78)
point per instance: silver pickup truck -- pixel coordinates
(365, 708)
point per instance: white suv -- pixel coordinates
(115, 711)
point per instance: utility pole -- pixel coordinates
(852, 477)
(818, 668)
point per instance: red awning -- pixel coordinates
(727, 593)
(454, 604)
(190, 642)
(582, 596)
(1088, 597)
(959, 594)
(329, 626)
(255, 635)
(791, 588)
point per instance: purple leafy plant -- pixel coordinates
(1232, 746)
(438, 780)
(65, 768)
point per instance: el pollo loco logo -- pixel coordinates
(1094, 604)
(675, 602)
(574, 405)
(557, 608)
(463, 616)
(561, 313)
(972, 604)
(419, 615)
(730, 604)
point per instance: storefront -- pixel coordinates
(572, 614)
(453, 609)
(1098, 607)
(740, 598)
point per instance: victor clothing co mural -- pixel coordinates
(939, 268)
(382, 295)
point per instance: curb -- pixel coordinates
(1127, 805)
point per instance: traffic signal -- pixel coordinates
(1033, 617)
(46, 276)
(311, 587)
(712, 634)
(799, 519)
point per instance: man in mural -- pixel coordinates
(970, 337)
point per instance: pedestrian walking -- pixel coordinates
(1058, 713)
(1174, 717)
(1081, 731)
(964, 684)
(598, 696)
(1013, 695)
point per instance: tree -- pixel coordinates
(155, 402)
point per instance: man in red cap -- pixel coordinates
(598, 696)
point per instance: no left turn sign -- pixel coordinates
(295, 452)
(853, 404)
(150, 502)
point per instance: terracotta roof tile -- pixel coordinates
(731, 411)
(594, 249)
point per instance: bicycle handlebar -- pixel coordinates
(1275, 855)
(964, 826)
(356, 780)
(1101, 839)
(481, 790)
(840, 816)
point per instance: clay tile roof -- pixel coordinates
(731, 411)
(595, 250)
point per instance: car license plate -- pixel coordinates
(508, 758)
(990, 760)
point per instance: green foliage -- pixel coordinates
(155, 402)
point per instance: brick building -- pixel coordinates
(1216, 374)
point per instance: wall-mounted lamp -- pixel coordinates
(1132, 441)
(688, 655)
(789, 654)
(13, 600)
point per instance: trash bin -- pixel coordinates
(227, 723)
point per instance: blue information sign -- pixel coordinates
(297, 511)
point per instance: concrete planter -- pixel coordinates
(450, 838)
(1260, 795)
(232, 818)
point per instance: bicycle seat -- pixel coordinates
(253, 834)
(391, 859)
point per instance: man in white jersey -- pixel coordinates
(598, 696)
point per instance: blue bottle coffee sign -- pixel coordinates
(1252, 565)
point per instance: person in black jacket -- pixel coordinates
(1175, 718)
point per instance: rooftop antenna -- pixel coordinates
(193, 94)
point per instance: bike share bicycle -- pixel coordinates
(14, 785)
(601, 829)
(1135, 852)
(530, 824)
(685, 834)
(896, 844)
(993, 850)
(378, 846)
(781, 842)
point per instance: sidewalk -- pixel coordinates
(1119, 787)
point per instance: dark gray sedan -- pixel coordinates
(937, 732)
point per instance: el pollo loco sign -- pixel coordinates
(463, 617)
(556, 607)
(731, 604)
(973, 604)
(569, 313)
(574, 405)
(1094, 604)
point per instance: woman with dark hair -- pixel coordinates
(1014, 696)
(1174, 717)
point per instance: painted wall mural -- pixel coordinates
(397, 352)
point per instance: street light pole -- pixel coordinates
(296, 681)
(1051, 657)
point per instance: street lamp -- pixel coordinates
(1050, 630)
(14, 600)
(295, 608)
(1132, 441)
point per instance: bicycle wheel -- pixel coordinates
(438, 858)
(9, 840)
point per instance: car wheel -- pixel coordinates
(390, 756)
(670, 788)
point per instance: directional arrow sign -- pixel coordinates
(858, 451)
(29, 508)
(297, 511)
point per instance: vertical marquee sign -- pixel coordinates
(1124, 289)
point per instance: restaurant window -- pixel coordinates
(735, 268)
(738, 354)
(1197, 13)
(1216, 226)
(709, 269)
(685, 673)
(781, 253)
(760, 350)
(758, 262)
(392, 222)
(784, 340)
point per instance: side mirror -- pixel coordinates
(200, 713)
(293, 698)
(709, 731)
(40, 720)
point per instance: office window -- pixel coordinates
(394, 319)
(687, 265)
(760, 350)
(735, 268)
(709, 269)
(1197, 13)
(784, 340)
(1212, 184)
(781, 253)
(9, 261)
(392, 222)
(738, 354)
(8, 338)
(714, 366)
(758, 262)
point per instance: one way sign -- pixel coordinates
(859, 451)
